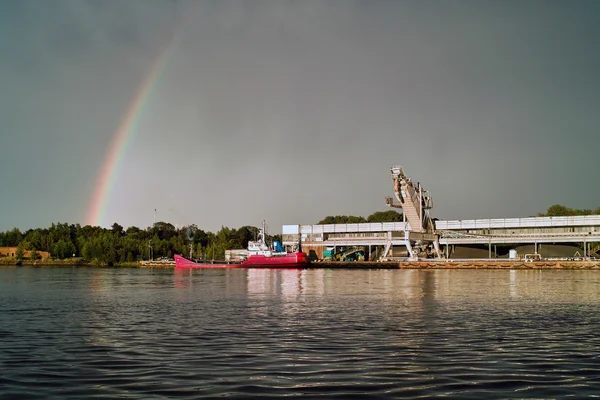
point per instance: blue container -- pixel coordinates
(278, 246)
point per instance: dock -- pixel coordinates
(461, 264)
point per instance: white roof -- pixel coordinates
(531, 222)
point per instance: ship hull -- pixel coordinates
(289, 260)
(182, 263)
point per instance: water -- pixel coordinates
(72, 333)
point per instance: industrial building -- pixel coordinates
(420, 236)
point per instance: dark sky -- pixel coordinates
(290, 111)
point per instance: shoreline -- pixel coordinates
(461, 264)
(415, 265)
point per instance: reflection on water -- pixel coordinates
(70, 333)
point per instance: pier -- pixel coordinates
(461, 264)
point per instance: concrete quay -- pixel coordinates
(460, 264)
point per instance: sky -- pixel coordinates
(225, 113)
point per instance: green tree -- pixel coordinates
(242, 236)
(70, 249)
(342, 219)
(109, 247)
(385, 216)
(63, 249)
(86, 251)
(201, 237)
(558, 210)
(13, 237)
(132, 231)
(199, 251)
(20, 252)
(59, 250)
(117, 229)
(163, 230)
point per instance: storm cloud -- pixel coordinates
(291, 111)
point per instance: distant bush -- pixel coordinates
(558, 210)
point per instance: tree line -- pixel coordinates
(558, 210)
(162, 240)
(117, 245)
(379, 216)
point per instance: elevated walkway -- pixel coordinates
(576, 229)
(381, 237)
(509, 223)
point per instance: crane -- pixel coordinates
(415, 204)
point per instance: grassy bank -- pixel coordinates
(71, 262)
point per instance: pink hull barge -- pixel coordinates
(288, 260)
(260, 255)
(182, 262)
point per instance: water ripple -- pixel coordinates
(128, 333)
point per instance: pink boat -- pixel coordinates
(259, 256)
(297, 259)
(182, 262)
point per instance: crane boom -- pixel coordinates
(415, 204)
(414, 201)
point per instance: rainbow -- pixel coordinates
(122, 138)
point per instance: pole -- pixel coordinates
(421, 203)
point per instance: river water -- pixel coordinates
(104, 333)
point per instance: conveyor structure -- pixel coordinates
(415, 203)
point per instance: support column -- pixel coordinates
(436, 246)
(410, 251)
(409, 246)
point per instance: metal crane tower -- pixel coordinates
(415, 204)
